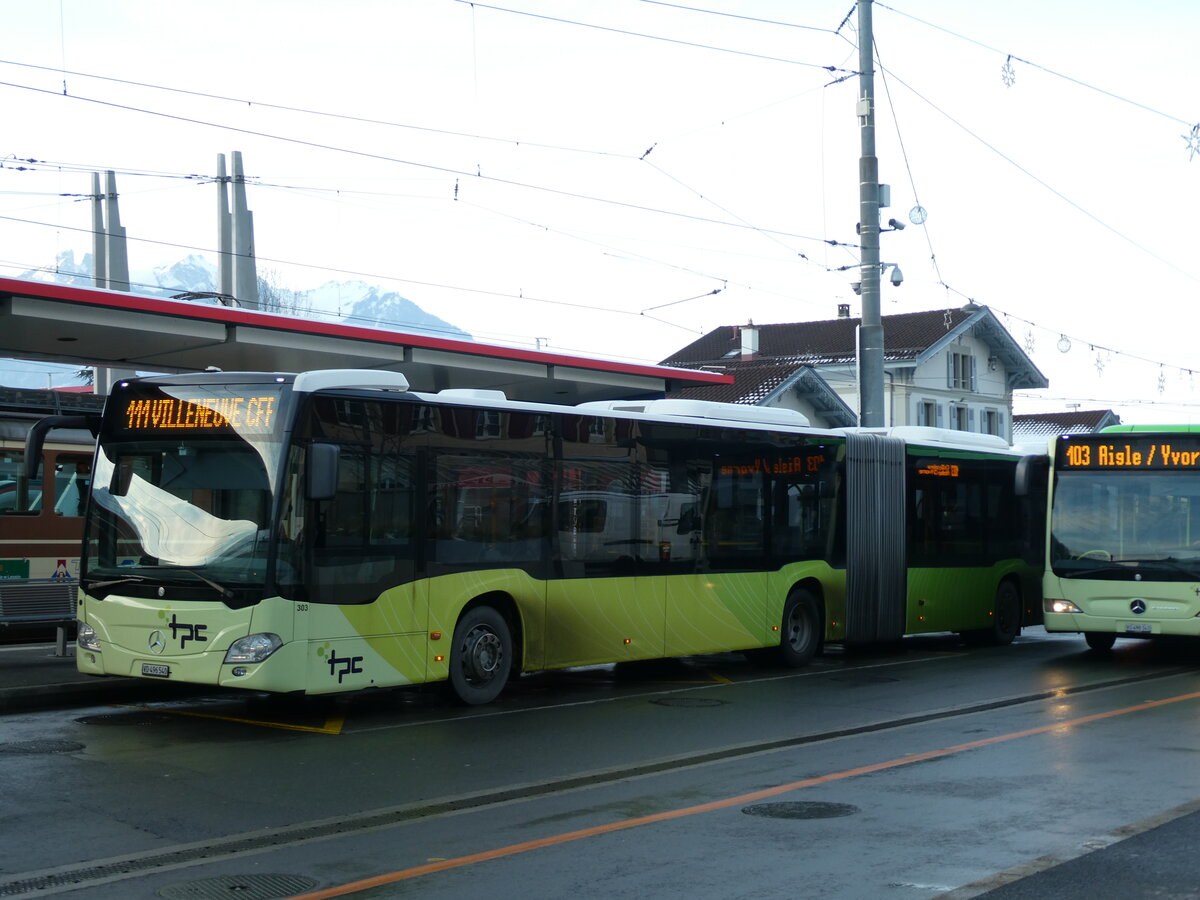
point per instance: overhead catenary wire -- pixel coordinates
(624, 155)
(474, 4)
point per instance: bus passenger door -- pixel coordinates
(605, 602)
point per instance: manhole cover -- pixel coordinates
(34, 747)
(692, 702)
(244, 887)
(801, 810)
(133, 718)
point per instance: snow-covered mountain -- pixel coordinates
(349, 302)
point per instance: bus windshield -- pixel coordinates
(1122, 523)
(183, 485)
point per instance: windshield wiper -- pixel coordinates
(1127, 569)
(1187, 567)
(92, 585)
(1071, 569)
(219, 588)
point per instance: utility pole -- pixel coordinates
(110, 262)
(116, 250)
(245, 274)
(870, 332)
(99, 236)
(237, 274)
(224, 232)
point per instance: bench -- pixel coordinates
(39, 602)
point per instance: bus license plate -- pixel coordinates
(158, 670)
(1138, 628)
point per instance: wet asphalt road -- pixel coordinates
(928, 770)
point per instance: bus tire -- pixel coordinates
(481, 656)
(1006, 618)
(803, 628)
(1101, 641)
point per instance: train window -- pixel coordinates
(18, 495)
(72, 481)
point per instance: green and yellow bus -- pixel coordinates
(1123, 553)
(334, 531)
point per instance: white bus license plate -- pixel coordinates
(158, 670)
(1138, 628)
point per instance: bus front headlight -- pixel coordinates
(253, 648)
(1056, 605)
(85, 638)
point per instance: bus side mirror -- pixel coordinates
(1031, 471)
(322, 471)
(35, 438)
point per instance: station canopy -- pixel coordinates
(132, 333)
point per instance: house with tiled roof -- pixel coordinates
(948, 368)
(1032, 426)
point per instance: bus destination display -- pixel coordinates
(229, 413)
(1149, 452)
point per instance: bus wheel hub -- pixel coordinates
(483, 654)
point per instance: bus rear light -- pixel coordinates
(1055, 605)
(253, 648)
(85, 637)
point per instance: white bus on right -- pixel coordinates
(1123, 534)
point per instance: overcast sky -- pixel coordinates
(617, 177)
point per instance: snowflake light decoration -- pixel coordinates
(1193, 142)
(1008, 73)
(1030, 341)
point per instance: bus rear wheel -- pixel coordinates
(803, 628)
(480, 656)
(1100, 640)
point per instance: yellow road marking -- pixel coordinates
(333, 725)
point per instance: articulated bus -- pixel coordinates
(1123, 554)
(334, 531)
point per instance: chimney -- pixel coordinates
(749, 340)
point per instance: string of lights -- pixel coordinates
(1011, 57)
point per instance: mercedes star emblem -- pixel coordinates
(157, 642)
(1137, 607)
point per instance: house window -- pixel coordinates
(927, 413)
(961, 371)
(993, 422)
(960, 419)
(487, 424)
(424, 420)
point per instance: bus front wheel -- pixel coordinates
(1100, 640)
(802, 628)
(480, 656)
(1006, 620)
